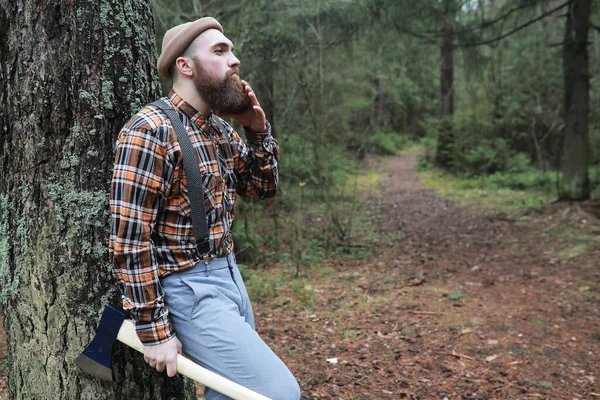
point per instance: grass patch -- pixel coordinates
(573, 252)
(408, 332)
(482, 191)
(363, 181)
(390, 143)
(349, 334)
(456, 295)
(304, 293)
(542, 385)
(325, 271)
(572, 238)
(261, 287)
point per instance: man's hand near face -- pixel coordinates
(254, 117)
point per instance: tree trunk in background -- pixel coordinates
(265, 85)
(71, 73)
(443, 156)
(575, 184)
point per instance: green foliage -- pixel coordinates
(319, 167)
(304, 292)
(487, 157)
(423, 163)
(542, 385)
(595, 181)
(247, 240)
(387, 143)
(490, 156)
(456, 295)
(530, 180)
(482, 190)
(260, 285)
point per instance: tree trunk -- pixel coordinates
(444, 151)
(265, 87)
(265, 82)
(575, 184)
(71, 73)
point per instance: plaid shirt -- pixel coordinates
(152, 233)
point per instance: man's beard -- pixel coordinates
(226, 96)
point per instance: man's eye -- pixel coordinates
(219, 51)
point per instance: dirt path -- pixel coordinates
(457, 302)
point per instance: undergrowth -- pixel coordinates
(506, 190)
(301, 230)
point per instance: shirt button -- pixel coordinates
(267, 143)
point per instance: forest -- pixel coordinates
(436, 231)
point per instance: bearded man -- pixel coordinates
(182, 300)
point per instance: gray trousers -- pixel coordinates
(212, 315)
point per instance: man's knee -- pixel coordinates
(284, 388)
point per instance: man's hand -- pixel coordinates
(254, 117)
(164, 355)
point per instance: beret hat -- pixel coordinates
(178, 38)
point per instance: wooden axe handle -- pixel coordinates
(187, 367)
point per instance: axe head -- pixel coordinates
(96, 359)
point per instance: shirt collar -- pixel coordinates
(195, 116)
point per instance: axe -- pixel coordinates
(96, 358)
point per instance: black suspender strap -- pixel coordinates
(194, 180)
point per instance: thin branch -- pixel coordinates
(432, 37)
(483, 24)
(428, 39)
(486, 24)
(515, 30)
(458, 355)
(427, 313)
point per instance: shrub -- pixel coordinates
(519, 163)
(260, 285)
(423, 163)
(531, 180)
(484, 158)
(387, 143)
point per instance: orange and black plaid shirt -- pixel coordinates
(152, 233)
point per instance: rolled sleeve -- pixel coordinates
(140, 180)
(256, 164)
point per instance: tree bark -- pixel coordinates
(71, 73)
(265, 86)
(575, 183)
(443, 156)
(265, 78)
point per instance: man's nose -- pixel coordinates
(234, 62)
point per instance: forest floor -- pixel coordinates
(454, 301)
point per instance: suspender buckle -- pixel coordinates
(204, 250)
(207, 258)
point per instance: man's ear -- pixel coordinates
(185, 66)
